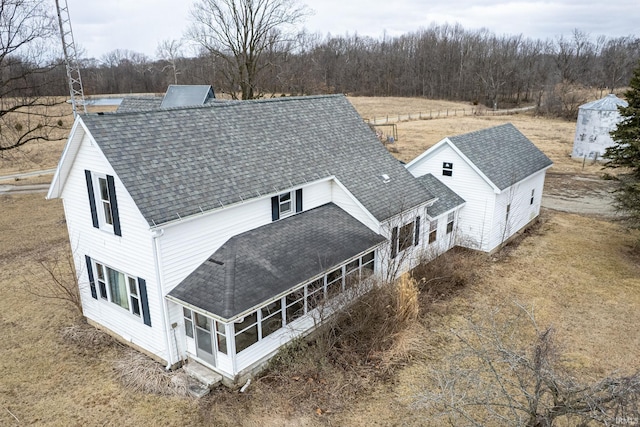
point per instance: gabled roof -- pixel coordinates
(447, 198)
(501, 155)
(608, 103)
(180, 162)
(253, 267)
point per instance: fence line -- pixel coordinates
(452, 112)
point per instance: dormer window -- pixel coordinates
(447, 169)
(286, 204)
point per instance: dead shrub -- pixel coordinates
(142, 374)
(446, 275)
(86, 339)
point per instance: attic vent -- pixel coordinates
(385, 178)
(215, 261)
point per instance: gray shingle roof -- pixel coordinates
(255, 266)
(502, 153)
(447, 198)
(177, 162)
(139, 103)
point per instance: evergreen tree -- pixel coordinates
(625, 153)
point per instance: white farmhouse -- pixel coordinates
(595, 122)
(500, 175)
(212, 233)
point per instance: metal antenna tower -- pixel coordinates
(70, 58)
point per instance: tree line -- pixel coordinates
(440, 62)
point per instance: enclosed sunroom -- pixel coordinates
(264, 287)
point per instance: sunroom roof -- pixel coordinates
(258, 265)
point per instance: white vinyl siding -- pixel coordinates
(131, 253)
(475, 220)
(184, 246)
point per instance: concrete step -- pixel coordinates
(205, 377)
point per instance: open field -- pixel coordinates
(578, 273)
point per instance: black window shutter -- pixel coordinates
(142, 285)
(299, 200)
(417, 239)
(92, 282)
(114, 205)
(394, 242)
(275, 208)
(92, 198)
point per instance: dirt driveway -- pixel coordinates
(581, 194)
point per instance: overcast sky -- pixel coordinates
(101, 26)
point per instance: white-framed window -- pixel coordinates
(118, 288)
(506, 218)
(533, 192)
(447, 168)
(104, 211)
(433, 231)
(450, 219)
(286, 203)
(103, 202)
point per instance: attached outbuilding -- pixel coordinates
(498, 173)
(595, 122)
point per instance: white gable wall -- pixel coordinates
(131, 254)
(474, 225)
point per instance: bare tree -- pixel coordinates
(240, 32)
(170, 51)
(26, 30)
(496, 379)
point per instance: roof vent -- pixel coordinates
(215, 261)
(385, 178)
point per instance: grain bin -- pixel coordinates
(595, 120)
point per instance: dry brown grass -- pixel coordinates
(376, 107)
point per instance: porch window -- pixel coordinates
(221, 337)
(246, 331)
(294, 305)
(271, 318)
(315, 294)
(188, 322)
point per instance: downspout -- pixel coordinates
(156, 234)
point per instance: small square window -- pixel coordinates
(447, 169)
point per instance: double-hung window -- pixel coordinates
(450, 219)
(433, 231)
(125, 291)
(405, 236)
(102, 202)
(447, 169)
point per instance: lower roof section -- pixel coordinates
(255, 266)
